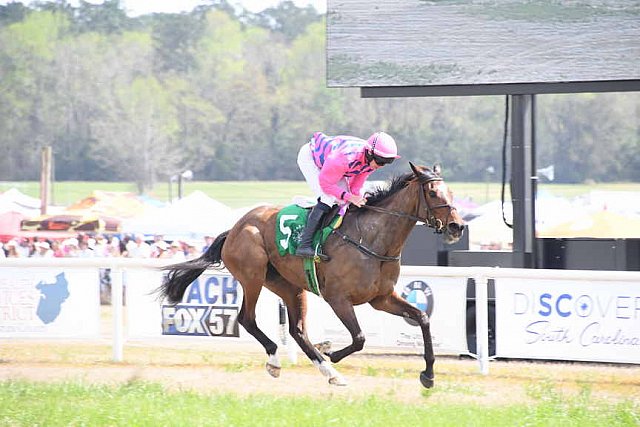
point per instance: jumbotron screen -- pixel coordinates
(481, 42)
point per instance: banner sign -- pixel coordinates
(210, 307)
(49, 303)
(443, 299)
(568, 320)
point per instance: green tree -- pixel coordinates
(85, 72)
(585, 136)
(135, 130)
(12, 12)
(107, 17)
(233, 95)
(31, 110)
(304, 104)
(174, 40)
(286, 19)
(138, 136)
(226, 79)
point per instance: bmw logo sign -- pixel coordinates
(419, 295)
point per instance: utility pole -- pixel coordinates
(45, 179)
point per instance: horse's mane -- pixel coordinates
(396, 184)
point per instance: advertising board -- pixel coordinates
(49, 302)
(442, 298)
(568, 320)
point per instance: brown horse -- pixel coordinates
(363, 268)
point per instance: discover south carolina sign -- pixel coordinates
(571, 320)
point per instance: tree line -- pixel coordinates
(231, 95)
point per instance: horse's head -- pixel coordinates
(437, 201)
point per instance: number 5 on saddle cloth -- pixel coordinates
(290, 223)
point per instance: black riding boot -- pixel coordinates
(305, 247)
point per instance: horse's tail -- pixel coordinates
(181, 275)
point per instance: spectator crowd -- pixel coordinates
(104, 245)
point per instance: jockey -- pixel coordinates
(336, 168)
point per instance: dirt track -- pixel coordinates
(240, 369)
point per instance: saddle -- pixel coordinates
(290, 223)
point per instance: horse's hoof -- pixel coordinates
(425, 380)
(338, 380)
(273, 370)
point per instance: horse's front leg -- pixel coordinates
(296, 301)
(345, 312)
(394, 304)
(299, 334)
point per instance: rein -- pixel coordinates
(430, 221)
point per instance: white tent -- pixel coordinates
(488, 229)
(13, 200)
(192, 217)
(622, 202)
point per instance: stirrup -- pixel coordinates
(310, 253)
(305, 252)
(321, 257)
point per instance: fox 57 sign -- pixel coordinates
(209, 307)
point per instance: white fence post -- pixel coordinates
(116, 306)
(482, 321)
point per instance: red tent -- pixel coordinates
(10, 225)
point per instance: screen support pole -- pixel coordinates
(523, 179)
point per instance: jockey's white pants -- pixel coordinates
(311, 174)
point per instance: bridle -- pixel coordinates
(429, 219)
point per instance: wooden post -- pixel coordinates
(45, 179)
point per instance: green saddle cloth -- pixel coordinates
(290, 224)
(291, 221)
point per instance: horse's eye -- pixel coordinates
(432, 193)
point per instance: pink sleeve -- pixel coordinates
(357, 182)
(331, 173)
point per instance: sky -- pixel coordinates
(141, 7)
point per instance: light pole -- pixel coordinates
(188, 175)
(172, 179)
(179, 177)
(489, 173)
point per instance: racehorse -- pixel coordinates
(364, 265)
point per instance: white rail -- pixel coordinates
(120, 263)
(117, 266)
(480, 274)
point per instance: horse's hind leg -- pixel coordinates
(247, 318)
(394, 304)
(246, 245)
(296, 302)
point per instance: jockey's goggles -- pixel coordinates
(381, 161)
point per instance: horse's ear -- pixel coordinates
(437, 169)
(414, 168)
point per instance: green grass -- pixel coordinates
(247, 193)
(232, 193)
(148, 404)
